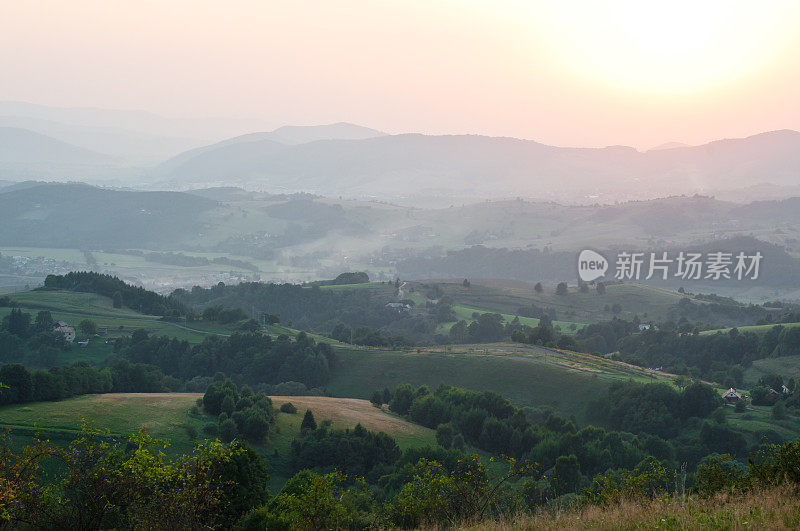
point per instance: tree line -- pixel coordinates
(307, 308)
(720, 356)
(80, 378)
(122, 293)
(247, 357)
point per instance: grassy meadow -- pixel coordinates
(775, 508)
(171, 416)
(758, 329)
(161, 414)
(757, 422)
(787, 366)
(346, 413)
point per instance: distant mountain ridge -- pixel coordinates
(134, 138)
(26, 154)
(669, 145)
(269, 141)
(128, 148)
(401, 164)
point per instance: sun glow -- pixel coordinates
(670, 47)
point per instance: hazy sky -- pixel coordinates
(637, 72)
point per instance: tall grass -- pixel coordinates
(773, 508)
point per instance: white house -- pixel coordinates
(67, 331)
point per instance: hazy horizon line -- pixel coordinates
(387, 131)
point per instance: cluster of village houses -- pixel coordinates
(732, 396)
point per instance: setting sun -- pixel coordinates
(674, 47)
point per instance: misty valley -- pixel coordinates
(399, 265)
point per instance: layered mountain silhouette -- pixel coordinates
(134, 148)
(406, 163)
(27, 154)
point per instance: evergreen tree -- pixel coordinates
(18, 322)
(308, 424)
(44, 321)
(376, 398)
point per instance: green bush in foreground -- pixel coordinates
(106, 483)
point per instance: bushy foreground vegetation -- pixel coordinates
(99, 482)
(102, 483)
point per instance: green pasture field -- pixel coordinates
(535, 377)
(757, 421)
(507, 296)
(465, 313)
(162, 415)
(73, 307)
(758, 329)
(786, 366)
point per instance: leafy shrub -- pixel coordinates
(719, 473)
(650, 478)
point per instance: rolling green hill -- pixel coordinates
(786, 366)
(508, 296)
(758, 329)
(73, 307)
(167, 416)
(529, 376)
(536, 377)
